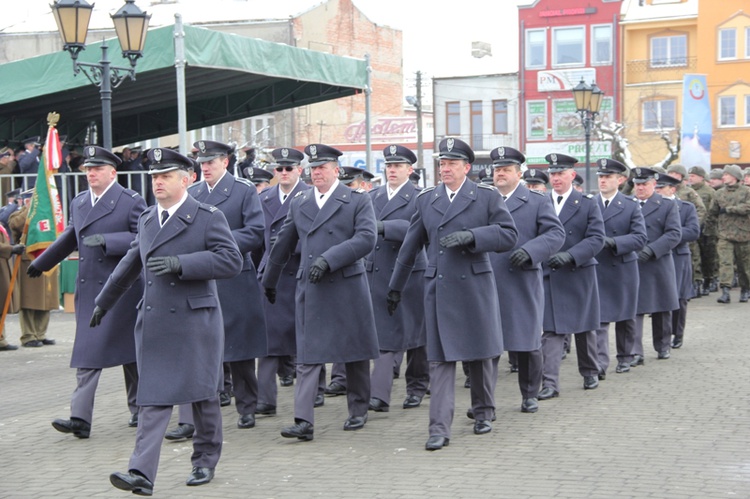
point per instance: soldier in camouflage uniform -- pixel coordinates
(730, 208)
(705, 259)
(687, 193)
(716, 182)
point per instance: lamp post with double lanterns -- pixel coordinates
(588, 99)
(131, 25)
(417, 103)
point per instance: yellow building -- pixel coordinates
(659, 46)
(723, 51)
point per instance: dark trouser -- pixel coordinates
(381, 378)
(679, 319)
(152, 425)
(443, 394)
(245, 386)
(417, 371)
(308, 386)
(286, 366)
(338, 374)
(624, 339)
(552, 349)
(661, 332)
(529, 372)
(82, 400)
(227, 378)
(398, 359)
(709, 256)
(267, 386)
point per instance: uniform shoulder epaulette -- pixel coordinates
(588, 196)
(264, 190)
(194, 186)
(298, 194)
(360, 190)
(633, 199)
(426, 190)
(538, 193)
(130, 192)
(487, 186)
(244, 181)
(208, 207)
(81, 194)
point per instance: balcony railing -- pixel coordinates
(637, 67)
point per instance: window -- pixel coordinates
(727, 44)
(452, 118)
(475, 107)
(669, 51)
(727, 111)
(567, 46)
(499, 116)
(659, 114)
(601, 44)
(747, 43)
(747, 110)
(536, 48)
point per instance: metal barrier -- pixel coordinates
(69, 185)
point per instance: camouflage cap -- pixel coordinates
(734, 170)
(677, 168)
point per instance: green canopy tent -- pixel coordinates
(227, 77)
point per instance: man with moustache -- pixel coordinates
(335, 228)
(395, 204)
(571, 293)
(103, 223)
(280, 324)
(657, 294)
(617, 272)
(518, 272)
(459, 223)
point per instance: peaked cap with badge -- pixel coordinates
(257, 175)
(559, 162)
(505, 156)
(347, 174)
(641, 175)
(320, 154)
(99, 156)
(606, 166)
(535, 176)
(285, 156)
(451, 148)
(166, 160)
(399, 154)
(210, 149)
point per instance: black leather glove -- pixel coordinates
(458, 238)
(381, 228)
(722, 211)
(161, 265)
(519, 258)
(33, 271)
(393, 299)
(560, 260)
(17, 249)
(609, 243)
(317, 269)
(645, 254)
(271, 295)
(96, 317)
(93, 241)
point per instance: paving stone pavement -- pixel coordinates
(676, 428)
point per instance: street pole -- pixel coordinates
(420, 143)
(105, 91)
(587, 132)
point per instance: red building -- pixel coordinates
(558, 47)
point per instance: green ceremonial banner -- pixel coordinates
(43, 228)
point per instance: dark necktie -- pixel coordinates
(559, 199)
(321, 196)
(164, 217)
(642, 203)
(606, 203)
(95, 199)
(451, 196)
(283, 198)
(505, 198)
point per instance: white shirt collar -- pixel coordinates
(282, 196)
(174, 207)
(449, 192)
(215, 184)
(506, 196)
(565, 196)
(608, 198)
(393, 192)
(321, 198)
(114, 181)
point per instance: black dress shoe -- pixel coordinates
(132, 481)
(514, 368)
(663, 355)
(33, 343)
(319, 400)
(529, 405)
(265, 409)
(436, 443)
(638, 360)
(9, 347)
(301, 430)
(246, 421)
(378, 405)
(470, 414)
(355, 423)
(200, 476)
(623, 367)
(412, 401)
(467, 383)
(334, 389)
(183, 431)
(396, 374)
(676, 342)
(225, 398)
(590, 382)
(286, 380)
(548, 393)
(133, 421)
(47, 341)
(77, 427)
(482, 426)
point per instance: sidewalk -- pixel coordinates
(673, 428)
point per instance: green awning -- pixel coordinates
(227, 77)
